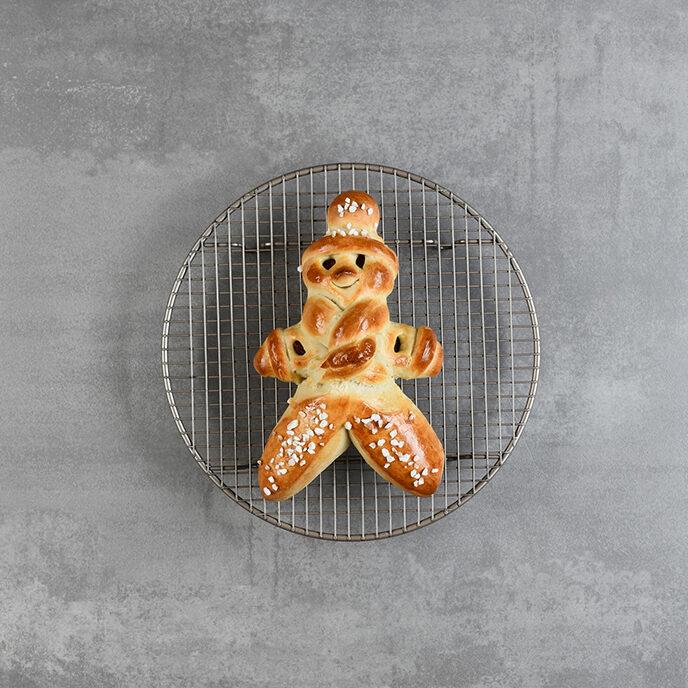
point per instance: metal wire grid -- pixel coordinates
(455, 274)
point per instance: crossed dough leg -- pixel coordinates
(398, 443)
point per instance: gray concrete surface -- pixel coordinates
(126, 126)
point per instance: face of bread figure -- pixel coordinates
(351, 259)
(345, 274)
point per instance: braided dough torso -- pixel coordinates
(344, 355)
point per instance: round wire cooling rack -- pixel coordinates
(456, 274)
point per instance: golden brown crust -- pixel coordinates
(361, 319)
(428, 356)
(301, 350)
(349, 269)
(380, 279)
(307, 439)
(353, 210)
(344, 355)
(272, 359)
(351, 244)
(400, 445)
(348, 361)
(415, 352)
(318, 315)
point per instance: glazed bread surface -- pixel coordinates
(345, 355)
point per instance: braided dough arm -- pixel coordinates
(306, 440)
(400, 445)
(286, 353)
(272, 359)
(417, 353)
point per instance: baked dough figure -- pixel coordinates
(344, 356)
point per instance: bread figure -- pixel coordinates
(345, 355)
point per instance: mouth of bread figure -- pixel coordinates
(345, 286)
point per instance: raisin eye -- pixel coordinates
(298, 348)
(327, 264)
(397, 345)
(360, 260)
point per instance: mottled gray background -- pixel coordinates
(127, 126)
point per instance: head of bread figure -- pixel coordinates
(351, 260)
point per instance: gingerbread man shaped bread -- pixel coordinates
(345, 355)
